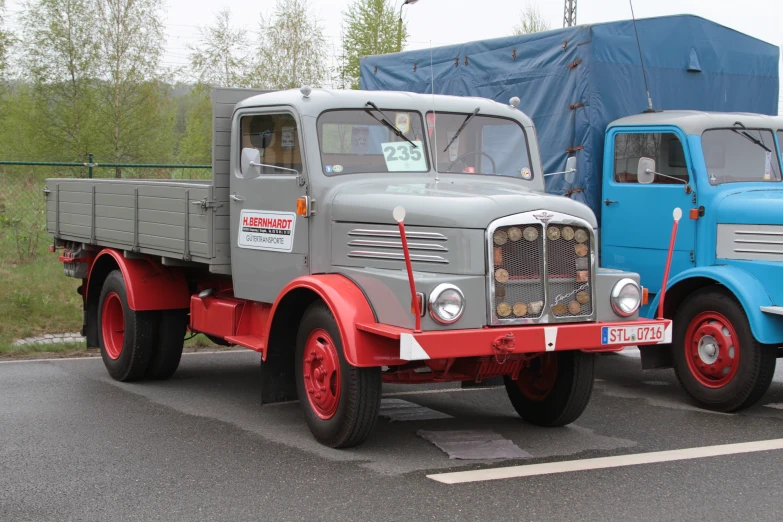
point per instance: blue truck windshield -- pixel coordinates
(485, 145)
(355, 140)
(737, 154)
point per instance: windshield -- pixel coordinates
(738, 154)
(355, 140)
(485, 145)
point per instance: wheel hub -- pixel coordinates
(538, 378)
(113, 325)
(712, 349)
(321, 370)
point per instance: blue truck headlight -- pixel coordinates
(626, 297)
(446, 304)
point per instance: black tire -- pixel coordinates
(359, 397)
(756, 362)
(138, 332)
(563, 401)
(170, 341)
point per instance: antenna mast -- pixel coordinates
(569, 13)
(641, 59)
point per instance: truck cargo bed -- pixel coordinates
(179, 219)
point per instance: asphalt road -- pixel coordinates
(75, 445)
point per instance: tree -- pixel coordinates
(195, 146)
(371, 28)
(60, 60)
(132, 98)
(531, 21)
(6, 40)
(291, 48)
(220, 57)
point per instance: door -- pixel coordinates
(269, 240)
(636, 219)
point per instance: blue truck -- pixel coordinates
(710, 145)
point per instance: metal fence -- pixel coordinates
(22, 204)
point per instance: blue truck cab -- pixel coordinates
(725, 290)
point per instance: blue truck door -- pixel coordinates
(636, 220)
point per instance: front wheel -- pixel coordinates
(554, 389)
(716, 358)
(340, 402)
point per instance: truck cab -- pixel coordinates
(724, 292)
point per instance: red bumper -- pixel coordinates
(444, 344)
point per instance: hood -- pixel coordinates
(448, 203)
(752, 207)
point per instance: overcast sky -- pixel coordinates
(453, 21)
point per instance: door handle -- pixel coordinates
(608, 202)
(234, 197)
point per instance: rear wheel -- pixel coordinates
(717, 360)
(340, 402)
(554, 389)
(125, 336)
(170, 341)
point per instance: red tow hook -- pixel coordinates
(677, 214)
(504, 345)
(399, 217)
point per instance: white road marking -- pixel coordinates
(460, 477)
(98, 356)
(776, 405)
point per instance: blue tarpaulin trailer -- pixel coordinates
(575, 81)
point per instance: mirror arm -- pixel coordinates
(648, 171)
(556, 173)
(254, 164)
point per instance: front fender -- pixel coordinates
(766, 328)
(349, 307)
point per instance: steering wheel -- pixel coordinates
(474, 153)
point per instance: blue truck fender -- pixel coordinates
(767, 328)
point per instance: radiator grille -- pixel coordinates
(568, 271)
(518, 272)
(541, 270)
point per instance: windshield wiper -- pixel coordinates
(461, 127)
(383, 120)
(744, 133)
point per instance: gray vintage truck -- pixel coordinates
(354, 238)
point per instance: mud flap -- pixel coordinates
(278, 382)
(656, 356)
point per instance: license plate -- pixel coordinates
(629, 335)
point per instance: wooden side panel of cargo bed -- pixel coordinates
(153, 217)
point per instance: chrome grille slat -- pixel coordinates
(396, 256)
(396, 244)
(365, 232)
(750, 242)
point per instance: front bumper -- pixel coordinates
(594, 337)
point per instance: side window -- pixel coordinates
(275, 138)
(665, 148)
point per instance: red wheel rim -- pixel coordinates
(712, 349)
(113, 325)
(321, 369)
(537, 380)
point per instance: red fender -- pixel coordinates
(150, 285)
(349, 307)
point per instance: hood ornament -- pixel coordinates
(544, 217)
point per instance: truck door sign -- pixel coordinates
(263, 230)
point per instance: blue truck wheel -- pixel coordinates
(716, 358)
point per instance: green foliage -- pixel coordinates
(291, 48)
(221, 55)
(531, 21)
(195, 146)
(371, 28)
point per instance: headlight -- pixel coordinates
(626, 297)
(446, 304)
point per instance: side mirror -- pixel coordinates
(645, 174)
(570, 171)
(250, 163)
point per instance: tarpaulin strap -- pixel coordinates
(580, 147)
(574, 64)
(576, 106)
(574, 191)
